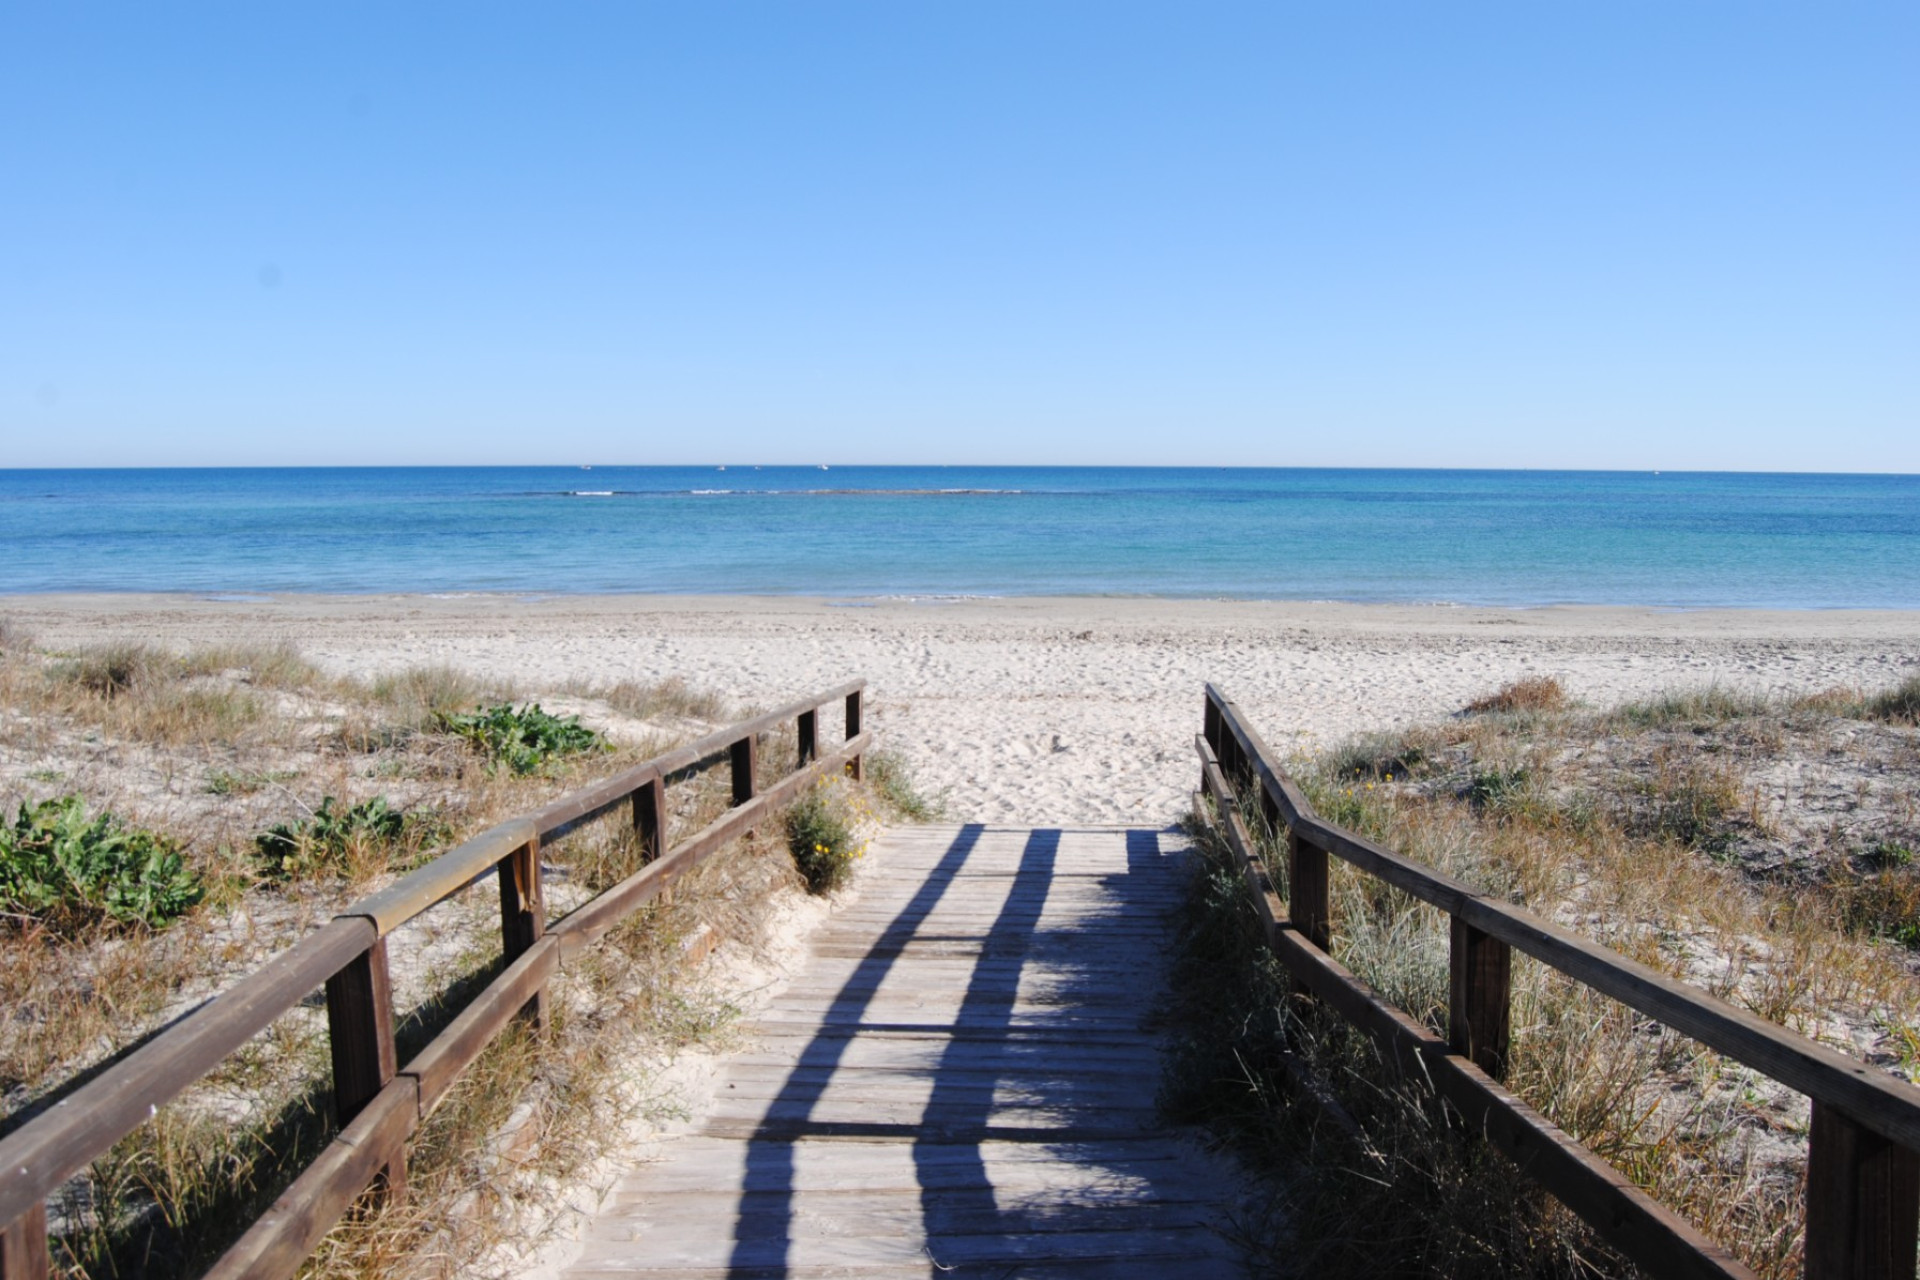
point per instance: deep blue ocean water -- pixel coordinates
(1474, 537)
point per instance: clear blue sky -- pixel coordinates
(1550, 234)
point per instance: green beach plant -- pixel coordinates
(823, 836)
(523, 739)
(76, 874)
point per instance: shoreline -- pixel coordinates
(1035, 709)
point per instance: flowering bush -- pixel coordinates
(824, 832)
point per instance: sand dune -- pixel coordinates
(1039, 710)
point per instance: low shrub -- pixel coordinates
(524, 739)
(823, 835)
(351, 841)
(1535, 693)
(73, 874)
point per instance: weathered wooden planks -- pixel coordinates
(960, 1082)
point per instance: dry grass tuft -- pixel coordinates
(671, 697)
(1535, 693)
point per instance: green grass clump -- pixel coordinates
(1692, 708)
(886, 772)
(351, 841)
(524, 739)
(822, 838)
(1899, 705)
(75, 874)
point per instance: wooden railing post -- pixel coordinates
(650, 818)
(360, 1034)
(742, 753)
(523, 916)
(23, 1247)
(1863, 1201)
(1480, 1012)
(1308, 901)
(1210, 730)
(809, 746)
(856, 769)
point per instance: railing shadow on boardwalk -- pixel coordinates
(957, 1197)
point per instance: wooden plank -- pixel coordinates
(76, 1130)
(280, 1240)
(956, 1088)
(360, 1037)
(1480, 1010)
(454, 1049)
(23, 1247)
(1863, 1202)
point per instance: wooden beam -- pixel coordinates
(1480, 1012)
(1309, 890)
(1863, 1202)
(23, 1246)
(742, 753)
(437, 1066)
(523, 916)
(856, 768)
(808, 744)
(650, 818)
(360, 1035)
(280, 1240)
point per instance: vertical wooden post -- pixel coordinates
(809, 745)
(742, 753)
(1307, 891)
(23, 1247)
(856, 769)
(1480, 1012)
(1210, 724)
(650, 818)
(523, 916)
(360, 1035)
(1863, 1202)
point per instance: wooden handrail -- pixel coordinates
(1864, 1178)
(380, 1106)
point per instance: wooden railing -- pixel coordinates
(378, 1103)
(1863, 1177)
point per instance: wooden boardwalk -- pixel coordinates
(960, 1082)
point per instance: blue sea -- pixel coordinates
(1671, 539)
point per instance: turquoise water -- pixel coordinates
(1473, 537)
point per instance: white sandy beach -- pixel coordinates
(1038, 710)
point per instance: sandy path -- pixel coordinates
(1039, 710)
